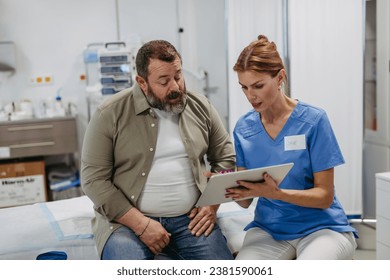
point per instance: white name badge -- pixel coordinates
(295, 142)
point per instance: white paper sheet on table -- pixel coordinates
(65, 225)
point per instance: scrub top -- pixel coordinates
(307, 140)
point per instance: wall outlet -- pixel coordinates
(41, 80)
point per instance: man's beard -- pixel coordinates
(165, 105)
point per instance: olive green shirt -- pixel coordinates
(119, 146)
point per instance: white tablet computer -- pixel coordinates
(217, 185)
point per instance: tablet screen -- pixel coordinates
(215, 190)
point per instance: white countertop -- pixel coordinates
(384, 176)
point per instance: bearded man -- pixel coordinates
(143, 165)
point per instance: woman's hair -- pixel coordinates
(260, 56)
(157, 49)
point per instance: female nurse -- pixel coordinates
(300, 218)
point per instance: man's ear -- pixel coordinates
(142, 83)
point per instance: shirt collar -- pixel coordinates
(140, 102)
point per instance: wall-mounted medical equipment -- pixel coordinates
(115, 67)
(109, 69)
(108, 65)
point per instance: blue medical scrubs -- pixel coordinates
(307, 140)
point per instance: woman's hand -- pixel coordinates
(268, 189)
(319, 196)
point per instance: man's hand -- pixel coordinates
(155, 237)
(203, 220)
(149, 231)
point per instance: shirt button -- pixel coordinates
(111, 227)
(152, 125)
(143, 174)
(132, 197)
(151, 149)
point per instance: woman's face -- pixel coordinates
(260, 89)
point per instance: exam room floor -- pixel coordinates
(365, 254)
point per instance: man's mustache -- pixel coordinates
(174, 94)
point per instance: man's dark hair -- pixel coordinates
(157, 49)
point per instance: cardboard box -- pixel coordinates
(22, 183)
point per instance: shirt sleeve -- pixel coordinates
(240, 160)
(324, 150)
(97, 169)
(221, 154)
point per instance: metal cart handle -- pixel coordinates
(115, 43)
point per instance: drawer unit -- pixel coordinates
(383, 215)
(383, 233)
(40, 137)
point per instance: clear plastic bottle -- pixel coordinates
(59, 109)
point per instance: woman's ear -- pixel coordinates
(281, 77)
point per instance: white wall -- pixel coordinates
(148, 19)
(326, 51)
(50, 37)
(210, 43)
(246, 20)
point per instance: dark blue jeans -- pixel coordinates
(123, 244)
